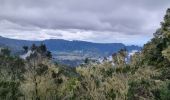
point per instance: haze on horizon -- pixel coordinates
(105, 21)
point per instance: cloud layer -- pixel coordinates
(126, 21)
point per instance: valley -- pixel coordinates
(71, 53)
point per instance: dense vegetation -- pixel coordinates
(146, 77)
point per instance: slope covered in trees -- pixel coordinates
(146, 77)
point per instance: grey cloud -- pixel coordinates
(128, 17)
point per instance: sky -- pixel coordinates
(101, 21)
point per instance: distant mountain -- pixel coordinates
(70, 50)
(64, 45)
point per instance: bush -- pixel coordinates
(139, 89)
(9, 90)
(165, 92)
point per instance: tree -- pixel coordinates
(25, 48)
(33, 47)
(11, 75)
(5, 51)
(114, 58)
(86, 61)
(166, 35)
(42, 48)
(120, 57)
(40, 74)
(48, 54)
(156, 51)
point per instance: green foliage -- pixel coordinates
(9, 90)
(111, 95)
(119, 58)
(25, 48)
(41, 69)
(40, 50)
(5, 51)
(165, 74)
(123, 69)
(164, 92)
(72, 84)
(139, 89)
(166, 53)
(156, 52)
(86, 61)
(108, 72)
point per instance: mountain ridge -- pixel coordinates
(9, 41)
(72, 52)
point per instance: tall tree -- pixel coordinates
(25, 48)
(156, 52)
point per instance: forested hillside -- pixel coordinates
(60, 45)
(71, 53)
(146, 77)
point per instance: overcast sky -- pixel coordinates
(104, 21)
